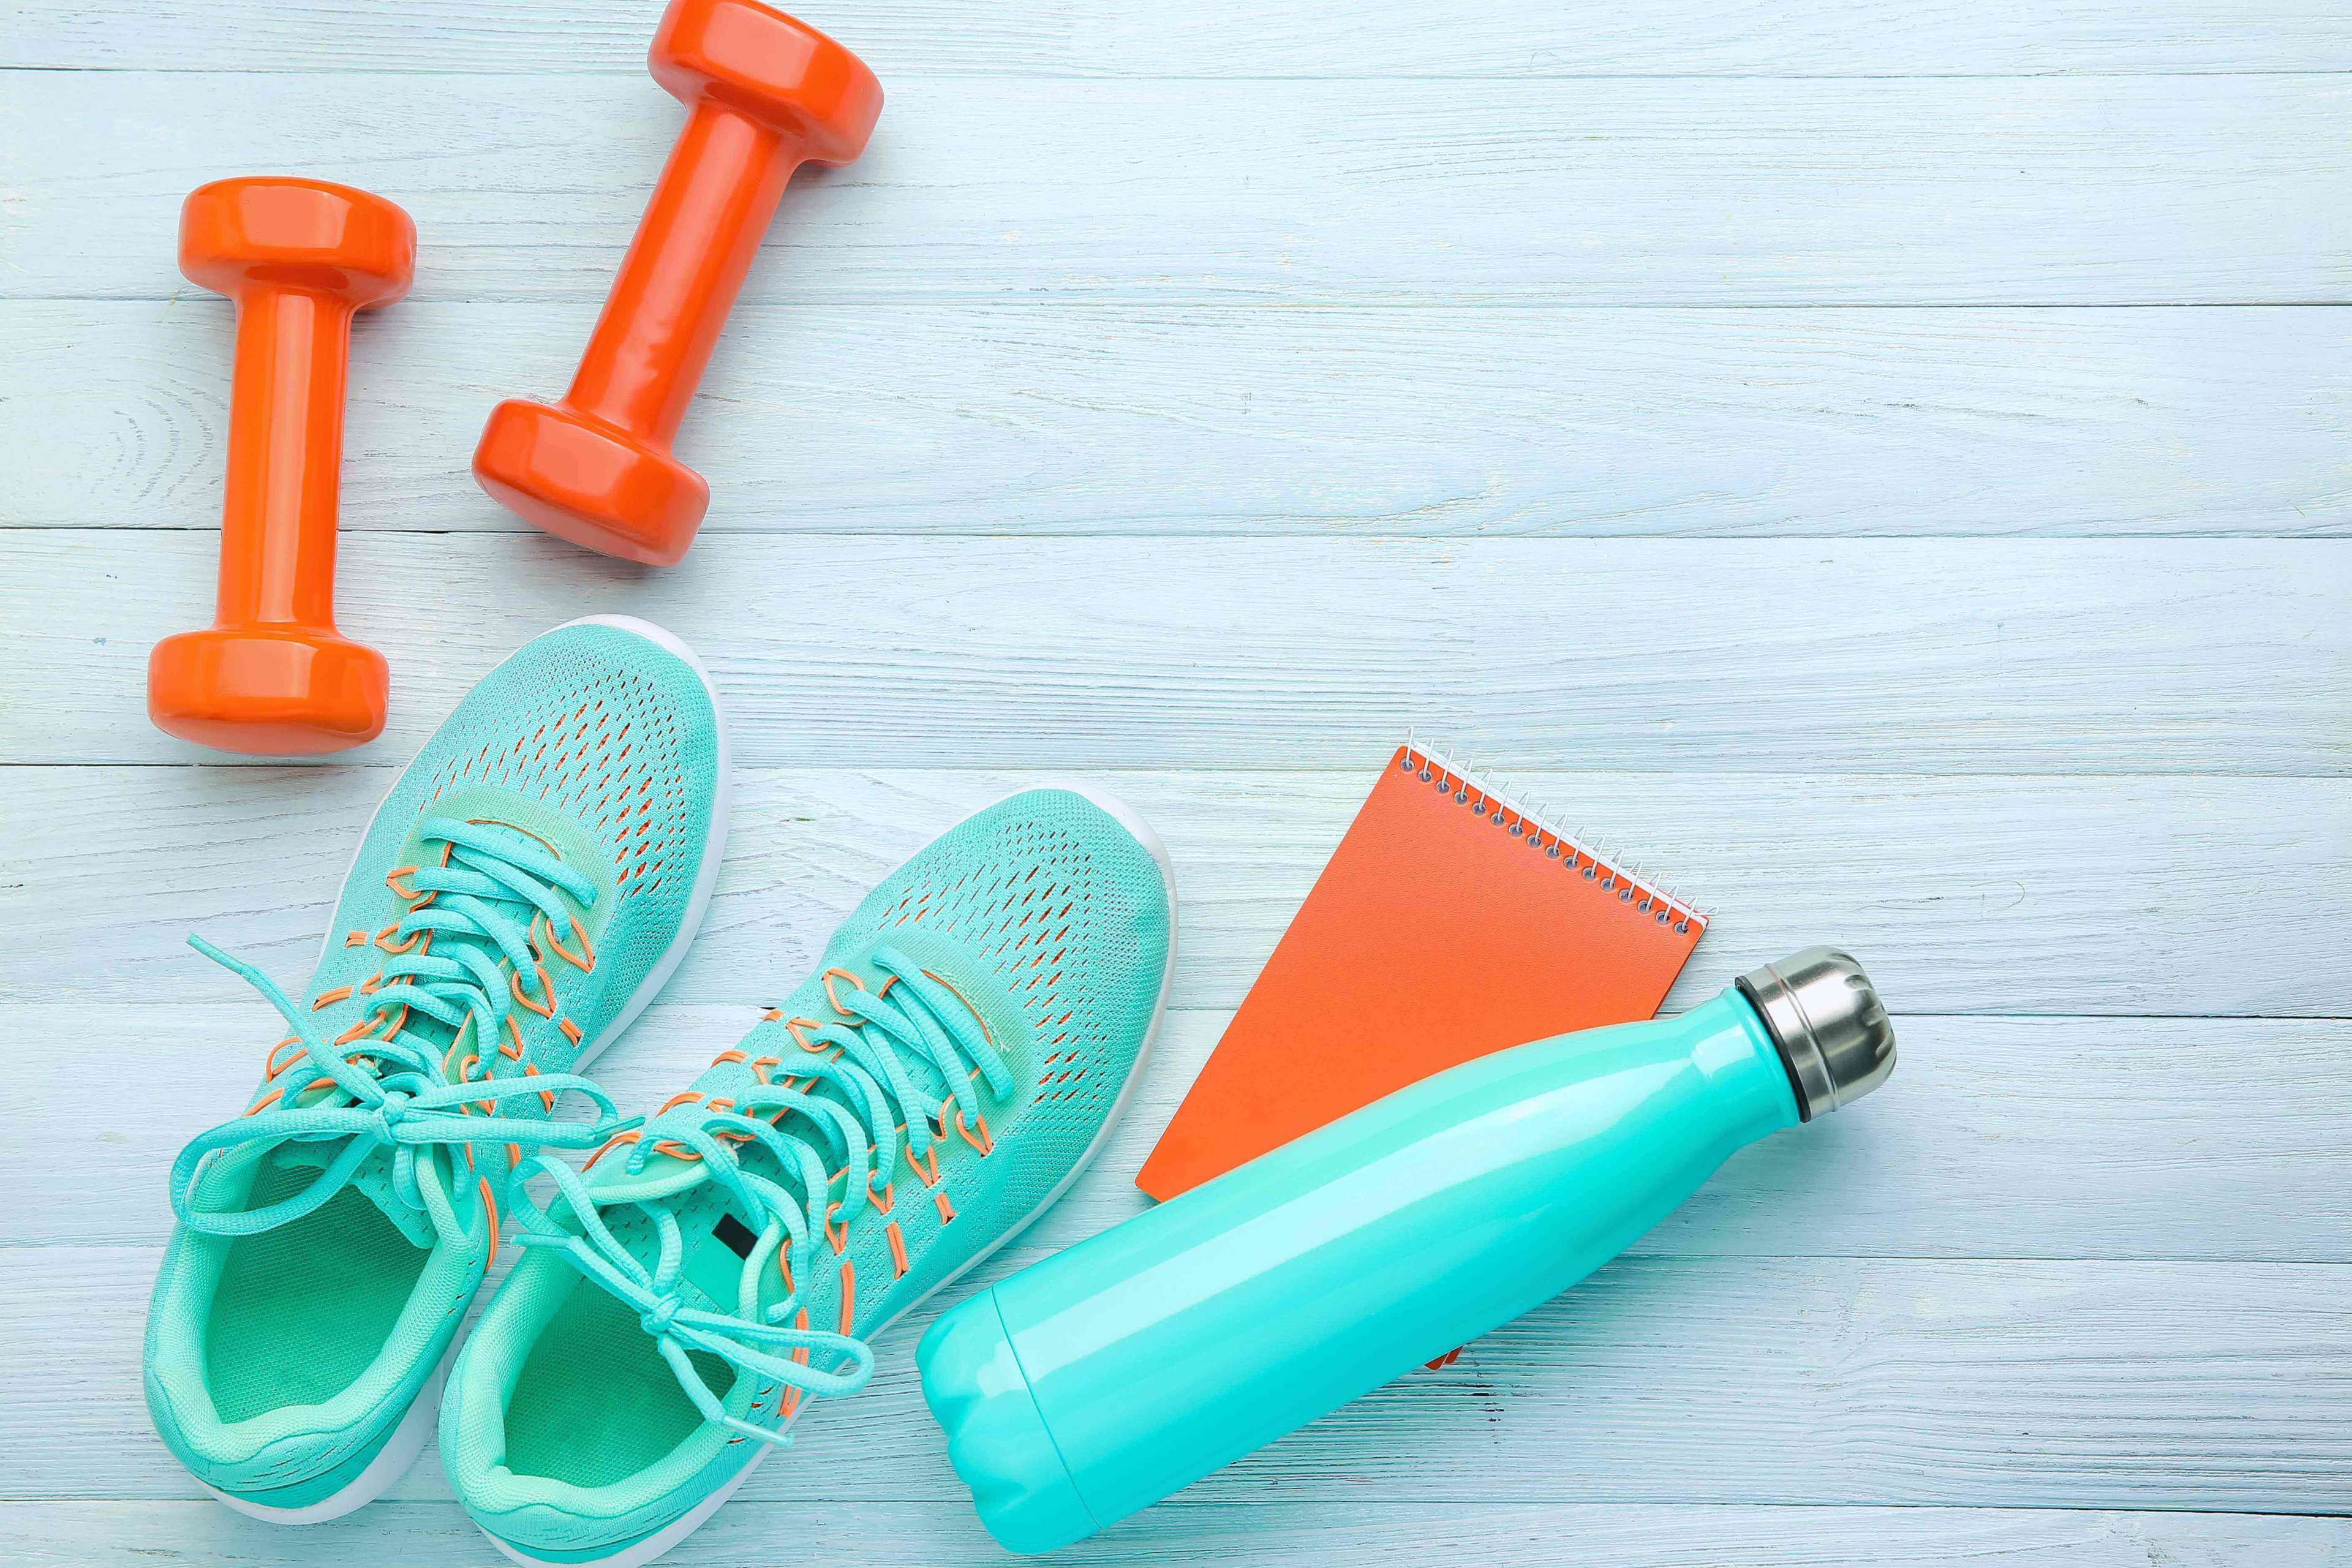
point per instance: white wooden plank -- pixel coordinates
(1999, 895)
(1923, 656)
(2107, 190)
(1243, 1534)
(1226, 37)
(2121, 1138)
(1068, 418)
(2186, 1386)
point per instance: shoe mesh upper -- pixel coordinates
(615, 737)
(1047, 911)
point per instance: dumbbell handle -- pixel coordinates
(285, 452)
(692, 250)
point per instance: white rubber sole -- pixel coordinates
(686, 1524)
(417, 1421)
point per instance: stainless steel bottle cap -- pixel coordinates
(1829, 1023)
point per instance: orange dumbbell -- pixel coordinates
(766, 94)
(271, 674)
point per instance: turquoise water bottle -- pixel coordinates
(1099, 1381)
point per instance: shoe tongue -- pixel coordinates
(716, 1244)
(712, 1267)
(373, 1180)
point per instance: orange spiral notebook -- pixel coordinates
(1449, 923)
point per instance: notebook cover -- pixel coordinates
(1447, 925)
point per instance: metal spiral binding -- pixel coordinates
(1574, 852)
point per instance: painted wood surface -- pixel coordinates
(2144, 190)
(855, 1532)
(1698, 1380)
(1997, 895)
(1743, 424)
(1930, 656)
(2012, 1137)
(1065, 417)
(1234, 38)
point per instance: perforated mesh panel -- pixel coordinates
(600, 740)
(1055, 910)
(609, 731)
(1064, 917)
(1044, 906)
(616, 736)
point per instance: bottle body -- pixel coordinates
(1173, 1344)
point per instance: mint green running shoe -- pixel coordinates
(974, 1029)
(526, 886)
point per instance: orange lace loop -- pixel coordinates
(833, 996)
(984, 1143)
(546, 988)
(615, 1142)
(584, 960)
(490, 1208)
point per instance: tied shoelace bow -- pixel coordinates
(874, 1099)
(399, 1091)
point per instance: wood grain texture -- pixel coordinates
(2037, 1138)
(2041, 191)
(1063, 417)
(1204, 393)
(1242, 1535)
(1227, 37)
(1923, 657)
(2016, 1383)
(1996, 895)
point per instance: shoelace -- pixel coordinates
(864, 1059)
(387, 1086)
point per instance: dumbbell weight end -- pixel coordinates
(274, 691)
(593, 483)
(764, 93)
(272, 675)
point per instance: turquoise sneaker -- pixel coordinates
(525, 888)
(973, 1030)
